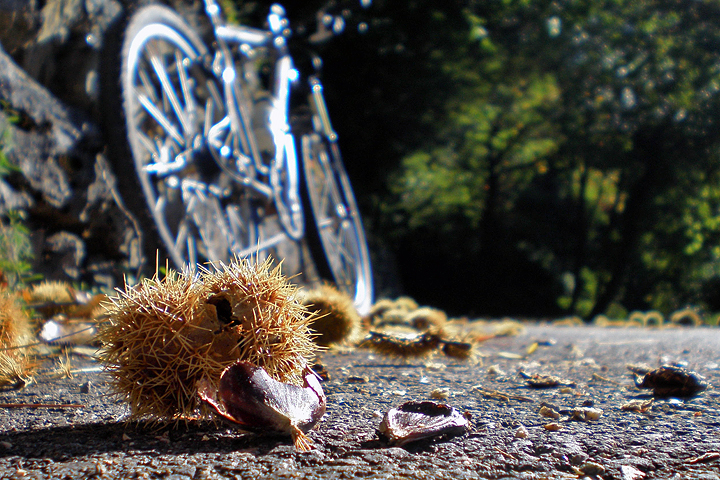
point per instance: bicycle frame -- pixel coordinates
(284, 166)
(208, 130)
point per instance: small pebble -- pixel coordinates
(586, 414)
(548, 412)
(552, 427)
(631, 473)
(592, 468)
(521, 432)
(354, 379)
(435, 367)
(440, 393)
(495, 370)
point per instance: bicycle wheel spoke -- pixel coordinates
(160, 118)
(191, 251)
(182, 236)
(339, 241)
(148, 86)
(214, 93)
(160, 204)
(167, 87)
(148, 144)
(324, 197)
(208, 120)
(190, 105)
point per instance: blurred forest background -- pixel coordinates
(533, 157)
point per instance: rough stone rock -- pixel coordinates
(68, 251)
(49, 56)
(11, 199)
(18, 23)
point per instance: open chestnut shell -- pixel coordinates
(252, 400)
(413, 421)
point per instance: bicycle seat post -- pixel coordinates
(212, 8)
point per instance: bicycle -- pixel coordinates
(213, 130)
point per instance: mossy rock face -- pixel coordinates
(165, 335)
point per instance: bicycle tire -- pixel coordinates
(192, 214)
(336, 236)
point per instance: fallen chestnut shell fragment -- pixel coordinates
(414, 421)
(249, 398)
(671, 381)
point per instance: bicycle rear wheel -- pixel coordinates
(337, 238)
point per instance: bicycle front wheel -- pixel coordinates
(172, 105)
(337, 238)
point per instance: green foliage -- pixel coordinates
(15, 246)
(15, 249)
(537, 156)
(581, 136)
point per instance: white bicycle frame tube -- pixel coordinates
(285, 164)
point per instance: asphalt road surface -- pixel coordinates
(84, 435)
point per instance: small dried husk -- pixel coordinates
(389, 311)
(548, 412)
(164, 335)
(458, 350)
(638, 405)
(50, 297)
(671, 381)
(251, 400)
(413, 421)
(16, 362)
(425, 318)
(335, 318)
(405, 346)
(538, 380)
(687, 317)
(377, 311)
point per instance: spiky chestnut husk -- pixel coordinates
(163, 336)
(417, 345)
(266, 323)
(427, 317)
(51, 291)
(458, 350)
(686, 317)
(652, 318)
(376, 311)
(335, 317)
(406, 303)
(16, 363)
(49, 298)
(389, 311)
